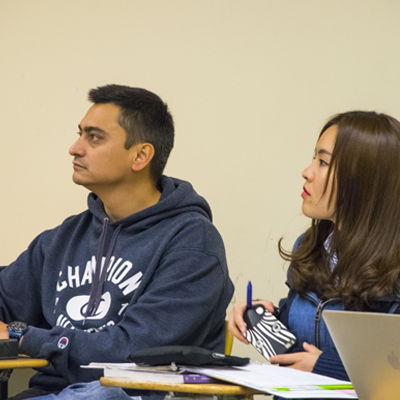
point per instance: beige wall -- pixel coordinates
(249, 82)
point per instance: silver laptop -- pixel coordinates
(369, 346)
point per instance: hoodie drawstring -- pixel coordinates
(100, 273)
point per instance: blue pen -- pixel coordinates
(249, 295)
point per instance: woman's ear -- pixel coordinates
(143, 154)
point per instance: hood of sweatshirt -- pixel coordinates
(177, 197)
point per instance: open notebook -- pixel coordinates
(369, 346)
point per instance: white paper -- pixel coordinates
(104, 365)
(267, 378)
(316, 394)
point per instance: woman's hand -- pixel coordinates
(304, 361)
(236, 323)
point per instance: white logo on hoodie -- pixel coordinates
(76, 307)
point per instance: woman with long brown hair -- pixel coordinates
(350, 256)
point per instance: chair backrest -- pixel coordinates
(228, 340)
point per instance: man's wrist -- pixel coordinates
(17, 330)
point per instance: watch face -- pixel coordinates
(18, 327)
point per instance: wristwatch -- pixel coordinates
(17, 329)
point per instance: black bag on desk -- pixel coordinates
(8, 348)
(184, 355)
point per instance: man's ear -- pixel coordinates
(143, 154)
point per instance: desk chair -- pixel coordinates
(228, 340)
(184, 391)
(7, 366)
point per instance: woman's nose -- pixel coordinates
(307, 174)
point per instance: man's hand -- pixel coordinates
(3, 331)
(236, 323)
(304, 361)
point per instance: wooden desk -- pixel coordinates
(211, 390)
(7, 365)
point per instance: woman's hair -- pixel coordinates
(365, 237)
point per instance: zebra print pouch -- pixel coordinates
(268, 335)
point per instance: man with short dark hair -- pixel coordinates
(144, 117)
(144, 266)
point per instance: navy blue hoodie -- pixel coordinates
(166, 283)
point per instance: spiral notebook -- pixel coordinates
(369, 346)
